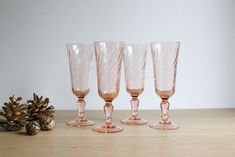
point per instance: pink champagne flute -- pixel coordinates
(165, 57)
(108, 63)
(80, 58)
(134, 64)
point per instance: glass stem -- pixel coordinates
(165, 109)
(81, 107)
(108, 110)
(134, 106)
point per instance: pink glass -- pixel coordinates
(80, 57)
(108, 63)
(165, 56)
(134, 64)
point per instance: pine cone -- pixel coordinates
(15, 114)
(32, 127)
(47, 123)
(38, 108)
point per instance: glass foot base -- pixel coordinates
(164, 125)
(107, 128)
(134, 121)
(78, 122)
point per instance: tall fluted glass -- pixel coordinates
(108, 63)
(134, 64)
(165, 57)
(80, 58)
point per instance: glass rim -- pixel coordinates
(103, 41)
(160, 42)
(82, 44)
(137, 44)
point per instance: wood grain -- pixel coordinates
(209, 133)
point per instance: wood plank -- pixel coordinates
(201, 133)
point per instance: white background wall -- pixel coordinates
(33, 57)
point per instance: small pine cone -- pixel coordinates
(15, 114)
(39, 107)
(32, 127)
(47, 123)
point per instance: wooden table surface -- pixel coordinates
(209, 133)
